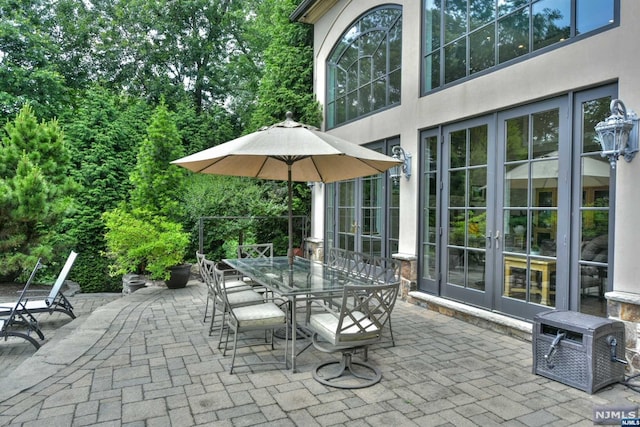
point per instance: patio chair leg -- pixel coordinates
(206, 308)
(347, 364)
(222, 327)
(235, 347)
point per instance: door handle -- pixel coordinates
(497, 239)
(489, 240)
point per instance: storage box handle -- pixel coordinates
(552, 349)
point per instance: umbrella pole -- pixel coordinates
(290, 188)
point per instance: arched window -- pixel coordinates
(363, 69)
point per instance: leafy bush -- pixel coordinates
(138, 242)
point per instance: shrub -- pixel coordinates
(138, 242)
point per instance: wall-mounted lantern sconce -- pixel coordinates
(403, 169)
(618, 133)
(311, 184)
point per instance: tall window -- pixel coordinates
(464, 37)
(362, 214)
(363, 70)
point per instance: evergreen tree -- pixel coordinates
(104, 133)
(37, 192)
(157, 184)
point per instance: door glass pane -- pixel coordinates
(476, 270)
(467, 223)
(458, 148)
(517, 138)
(457, 227)
(478, 187)
(545, 133)
(458, 183)
(595, 172)
(531, 207)
(593, 112)
(429, 168)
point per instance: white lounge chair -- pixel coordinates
(55, 301)
(18, 321)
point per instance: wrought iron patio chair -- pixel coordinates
(364, 312)
(207, 271)
(384, 270)
(237, 292)
(19, 322)
(265, 316)
(260, 250)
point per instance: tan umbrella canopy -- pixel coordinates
(289, 151)
(544, 174)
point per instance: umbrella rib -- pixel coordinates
(213, 162)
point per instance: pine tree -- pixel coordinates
(36, 192)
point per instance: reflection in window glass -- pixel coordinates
(545, 136)
(455, 19)
(430, 193)
(478, 141)
(508, 29)
(481, 12)
(370, 50)
(432, 71)
(455, 61)
(513, 36)
(482, 49)
(508, 6)
(593, 112)
(432, 25)
(458, 142)
(517, 138)
(551, 22)
(593, 14)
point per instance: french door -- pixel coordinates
(533, 195)
(362, 214)
(516, 208)
(468, 211)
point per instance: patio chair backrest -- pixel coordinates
(200, 258)
(260, 250)
(19, 305)
(337, 258)
(206, 270)
(384, 270)
(364, 311)
(55, 290)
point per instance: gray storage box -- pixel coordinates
(576, 349)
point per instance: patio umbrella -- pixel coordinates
(289, 151)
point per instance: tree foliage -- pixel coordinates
(288, 78)
(104, 133)
(222, 67)
(37, 189)
(157, 184)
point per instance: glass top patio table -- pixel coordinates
(304, 278)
